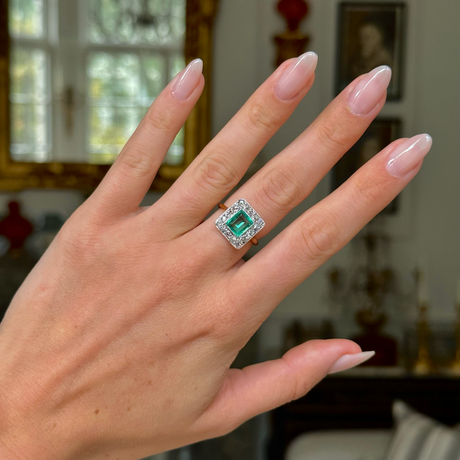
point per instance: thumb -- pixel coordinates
(261, 387)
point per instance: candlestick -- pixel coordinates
(458, 292)
(422, 288)
(455, 365)
(423, 365)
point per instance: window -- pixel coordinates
(110, 61)
(30, 81)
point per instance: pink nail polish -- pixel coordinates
(296, 76)
(348, 361)
(369, 91)
(404, 158)
(187, 81)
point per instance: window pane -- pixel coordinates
(100, 76)
(28, 75)
(28, 130)
(110, 129)
(114, 79)
(137, 21)
(29, 104)
(154, 71)
(102, 129)
(177, 64)
(127, 79)
(26, 18)
(121, 87)
(175, 155)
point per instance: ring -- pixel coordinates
(240, 223)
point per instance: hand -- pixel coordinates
(119, 343)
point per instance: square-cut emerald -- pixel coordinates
(239, 223)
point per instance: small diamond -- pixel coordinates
(240, 223)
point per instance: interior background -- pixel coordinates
(427, 228)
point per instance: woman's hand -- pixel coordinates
(119, 344)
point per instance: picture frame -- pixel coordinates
(380, 133)
(371, 35)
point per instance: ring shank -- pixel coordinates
(254, 241)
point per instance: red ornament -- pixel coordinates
(15, 227)
(294, 11)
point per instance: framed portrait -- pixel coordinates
(379, 134)
(371, 35)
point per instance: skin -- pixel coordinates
(119, 343)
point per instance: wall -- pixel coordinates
(428, 227)
(426, 231)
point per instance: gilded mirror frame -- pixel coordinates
(20, 175)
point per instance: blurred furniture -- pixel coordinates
(347, 402)
(419, 437)
(340, 445)
(365, 291)
(71, 100)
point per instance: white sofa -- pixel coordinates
(341, 445)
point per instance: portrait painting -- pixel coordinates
(379, 134)
(371, 35)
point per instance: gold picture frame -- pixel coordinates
(15, 175)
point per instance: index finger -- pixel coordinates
(222, 164)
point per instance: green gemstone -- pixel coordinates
(239, 223)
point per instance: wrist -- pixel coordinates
(26, 431)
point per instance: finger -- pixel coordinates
(224, 161)
(262, 387)
(329, 225)
(292, 175)
(131, 176)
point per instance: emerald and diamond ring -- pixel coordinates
(240, 223)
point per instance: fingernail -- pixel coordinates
(369, 91)
(188, 79)
(404, 158)
(348, 361)
(296, 76)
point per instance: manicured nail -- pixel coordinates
(404, 158)
(369, 91)
(188, 79)
(296, 76)
(348, 361)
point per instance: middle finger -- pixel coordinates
(291, 176)
(224, 161)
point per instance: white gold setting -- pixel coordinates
(257, 224)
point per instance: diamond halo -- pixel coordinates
(254, 224)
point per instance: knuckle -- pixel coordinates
(161, 120)
(137, 161)
(82, 243)
(367, 189)
(261, 117)
(222, 319)
(333, 134)
(222, 323)
(216, 173)
(319, 236)
(279, 190)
